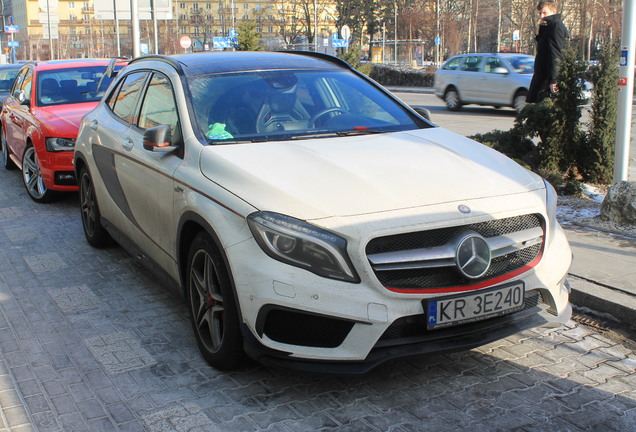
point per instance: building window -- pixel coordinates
(72, 17)
(246, 17)
(246, 6)
(208, 5)
(184, 30)
(87, 30)
(195, 6)
(196, 31)
(270, 29)
(182, 17)
(181, 5)
(71, 5)
(209, 18)
(86, 4)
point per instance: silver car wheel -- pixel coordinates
(6, 160)
(206, 301)
(519, 101)
(452, 100)
(32, 174)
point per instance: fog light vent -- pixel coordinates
(300, 328)
(65, 178)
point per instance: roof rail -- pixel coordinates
(328, 57)
(158, 57)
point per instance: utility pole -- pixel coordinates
(625, 92)
(134, 21)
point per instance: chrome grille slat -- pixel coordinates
(444, 256)
(399, 263)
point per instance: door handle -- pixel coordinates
(94, 125)
(128, 144)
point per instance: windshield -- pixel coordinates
(6, 78)
(522, 64)
(284, 104)
(71, 85)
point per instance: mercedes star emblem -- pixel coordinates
(472, 256)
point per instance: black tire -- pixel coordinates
(519, 100)
(96, 235)
(32, 177)
(451, 97)
(6, 160)
(212, 306)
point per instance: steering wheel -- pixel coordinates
(311, 123)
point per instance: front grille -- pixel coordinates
(414, 326)
(429, 273)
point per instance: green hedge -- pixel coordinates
(390, 75)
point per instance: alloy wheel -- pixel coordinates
(32, 175)
(206, 301)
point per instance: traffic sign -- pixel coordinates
(221, 42)
(438, 40)
(338, 43)
(185, 42)
(515, 35)
(13, 44)
(345, 32)
(11, 29)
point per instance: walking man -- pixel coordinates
(551, 41)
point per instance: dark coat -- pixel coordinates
(551, 42)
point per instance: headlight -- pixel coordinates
(300, 244)
(60, 144)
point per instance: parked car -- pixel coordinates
(40, 119)
(485, 79)
(7, 75)
(310, 218)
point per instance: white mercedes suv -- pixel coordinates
(311, 219)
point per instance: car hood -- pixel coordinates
(321, 178)
(63, 118)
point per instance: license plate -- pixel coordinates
(465, 308)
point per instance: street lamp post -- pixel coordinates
(395, 36)
(625, 92)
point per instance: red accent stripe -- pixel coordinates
(480, 285)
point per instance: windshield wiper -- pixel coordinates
(362, 130)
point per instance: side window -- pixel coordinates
(491, 64)
(452, 64)
(471, 64)
(17, 84)
(125, 100)
(159, 106)
(27, 84)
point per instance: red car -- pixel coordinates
(40, 119)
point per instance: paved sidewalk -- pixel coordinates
(603, 273)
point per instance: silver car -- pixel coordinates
(485, 79)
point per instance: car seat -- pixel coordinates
(49, 88)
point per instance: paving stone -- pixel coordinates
(45, 262)
(75, 299)
(178, 417)
(119, 352)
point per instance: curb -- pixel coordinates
(596, 298)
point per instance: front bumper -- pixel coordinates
(295, 319)
(452, 339)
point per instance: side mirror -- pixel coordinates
(22, 99)
(423, 112)
(157, 139)
(500, 70)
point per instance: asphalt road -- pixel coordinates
(470, 120)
